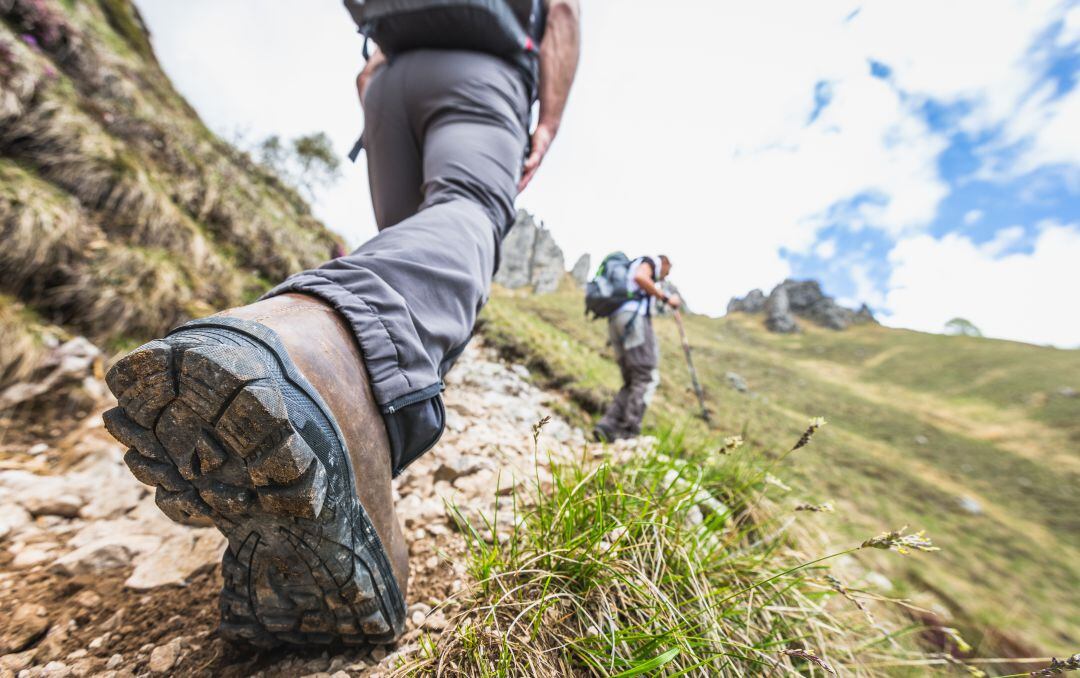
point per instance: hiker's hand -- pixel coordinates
(541, 142)
(674, 301)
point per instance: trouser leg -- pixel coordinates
(613, 420)
(636, 351)
(412, 293)
(642, 378)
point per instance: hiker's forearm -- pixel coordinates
(559, 54)
(376, 59)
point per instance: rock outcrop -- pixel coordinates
(778, 317)
(582, 269)
(530, 257)
(801, 298)
(754, 302)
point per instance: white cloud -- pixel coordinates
(826, 249)
(991, 55)
(866, 290)
(972, 217)
(1002, 240)
(1047, 129)
(1020, 296)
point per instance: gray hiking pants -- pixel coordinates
(445, 137)
(638, 356)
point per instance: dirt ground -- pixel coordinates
(95, 581)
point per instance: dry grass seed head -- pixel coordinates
(731, 443)
(900, 542)
(809, 656)
(1059, 666)
(808, 434)
(816, 508)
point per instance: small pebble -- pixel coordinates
(87, 598)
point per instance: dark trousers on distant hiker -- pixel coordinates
(445, 137)
(638, 356)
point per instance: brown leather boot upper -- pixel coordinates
(325, 351)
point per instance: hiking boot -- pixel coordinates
(260, 421)
(602, 435)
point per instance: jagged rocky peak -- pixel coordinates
(582, 269)
(799, 298)
(530, 258)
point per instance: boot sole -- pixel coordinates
(221, 422)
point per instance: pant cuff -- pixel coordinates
(407, 392)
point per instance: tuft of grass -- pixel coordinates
(126, 291)
(24, 338)
(645, 563)
(125, 20)
(43, 232)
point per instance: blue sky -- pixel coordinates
(977, 207)
(923, 157)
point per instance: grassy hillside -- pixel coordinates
(976, 441)
(120, 213)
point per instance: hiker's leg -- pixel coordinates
(394, 156)
(642, 364)
(613, 420)
(637, 399)
(254, 418)
(628, 334)
(412, 293)
(654, 374)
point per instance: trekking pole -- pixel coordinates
(690, 364)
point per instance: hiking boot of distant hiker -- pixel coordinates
(601, 434)
(261, 422)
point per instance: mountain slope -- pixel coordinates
(974, 440)
(120, 213)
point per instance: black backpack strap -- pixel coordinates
(357, 147)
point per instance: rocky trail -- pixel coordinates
(94, 580)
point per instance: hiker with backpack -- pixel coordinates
(282, 422)
(624, 291)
